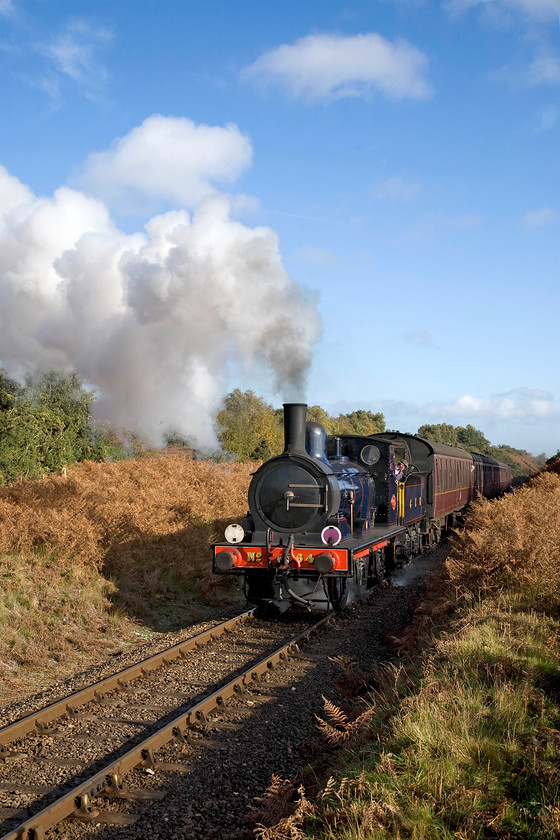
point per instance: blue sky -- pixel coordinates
(362, 196)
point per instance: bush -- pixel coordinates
(513, 543)
(45, 425)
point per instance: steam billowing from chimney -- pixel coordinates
(154, 321)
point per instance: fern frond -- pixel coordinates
(334, 737)
(334, 713)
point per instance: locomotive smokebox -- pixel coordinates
(295, 415)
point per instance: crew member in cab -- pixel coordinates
(400, 470)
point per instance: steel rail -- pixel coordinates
(69, 705)
(76, 802)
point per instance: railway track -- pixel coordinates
(57, 762)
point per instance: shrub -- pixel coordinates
(513, 543)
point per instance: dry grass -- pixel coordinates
(100, 506)
(51, 610)
(129, 540)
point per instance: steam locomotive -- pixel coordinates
(332, 515)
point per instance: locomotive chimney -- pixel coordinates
(294, 428)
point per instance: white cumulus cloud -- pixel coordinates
(326, 66)
(166, 159)
(12, 191)
(519, 404)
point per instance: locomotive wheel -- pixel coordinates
(337, 589)
(378, 568)
(361, 574)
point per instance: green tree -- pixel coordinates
(45, 425)
(472, 439)
(359, 422)
(32, 442)
(9, 392)
(440, 432)
(250, 428)
(63, 395)
(467, 437)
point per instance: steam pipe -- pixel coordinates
(294, 428)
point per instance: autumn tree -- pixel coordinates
(250, 428)
(440, 432)
(359, 422)
(466, 437)
(319, 415)
(472, 439)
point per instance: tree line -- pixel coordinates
(467, 437)
(251, 429)
(46, 424)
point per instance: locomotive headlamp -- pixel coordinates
(331, 535)
(234, 533)
(324, 563)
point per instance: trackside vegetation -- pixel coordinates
(91, 559)
(466, 745)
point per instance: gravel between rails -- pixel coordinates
(219, 770)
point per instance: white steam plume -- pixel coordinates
(151, 320)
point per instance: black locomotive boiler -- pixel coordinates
(332, 515)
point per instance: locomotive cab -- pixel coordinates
(399, 501)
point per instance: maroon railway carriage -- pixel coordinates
(490, 477)
(452, 476)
